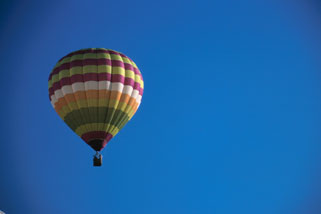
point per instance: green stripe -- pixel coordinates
(120, 120)
(96, 115)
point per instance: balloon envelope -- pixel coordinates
(96, 92)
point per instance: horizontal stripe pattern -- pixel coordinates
(100, 61)
(78, 78)
(130, 108)
(94, 50)
(101, 118)
(91, 127)
(79, 100)
(101, 135)
(96, 92)
(95, 69)
(103, 88)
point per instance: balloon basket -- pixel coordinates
(98, 159)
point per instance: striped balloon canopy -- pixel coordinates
(96, 92)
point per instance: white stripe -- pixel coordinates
(104, 85)
(53, 99)
(117, 86)
(128, 89)
(58, 94)
(139, 99)
(67, 89)
(78, 86)
(52, 103)
(135, 94)
(92, 85)
(95, 85)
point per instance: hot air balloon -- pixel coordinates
(96, 92)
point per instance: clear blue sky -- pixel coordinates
(230, 118)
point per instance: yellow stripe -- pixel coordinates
(92, 127)
(84, 104)
(130, 113)
(93, 69)
(133, 64)
(95, 56)
(116, 57)
(84, 56)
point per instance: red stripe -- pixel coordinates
(89, 136)
(99, 50)
(100, 61)
(95, 77)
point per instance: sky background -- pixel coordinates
(229, 122)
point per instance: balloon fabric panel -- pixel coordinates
(96, 92)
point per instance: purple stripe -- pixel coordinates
(84, 62)
(101, 61)
(129, 81)
(116, 53)
(127, 66)
(87, 137)
(95, 51)
(94, 77)
(51, 91)
(118, 78)
(132, 68)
